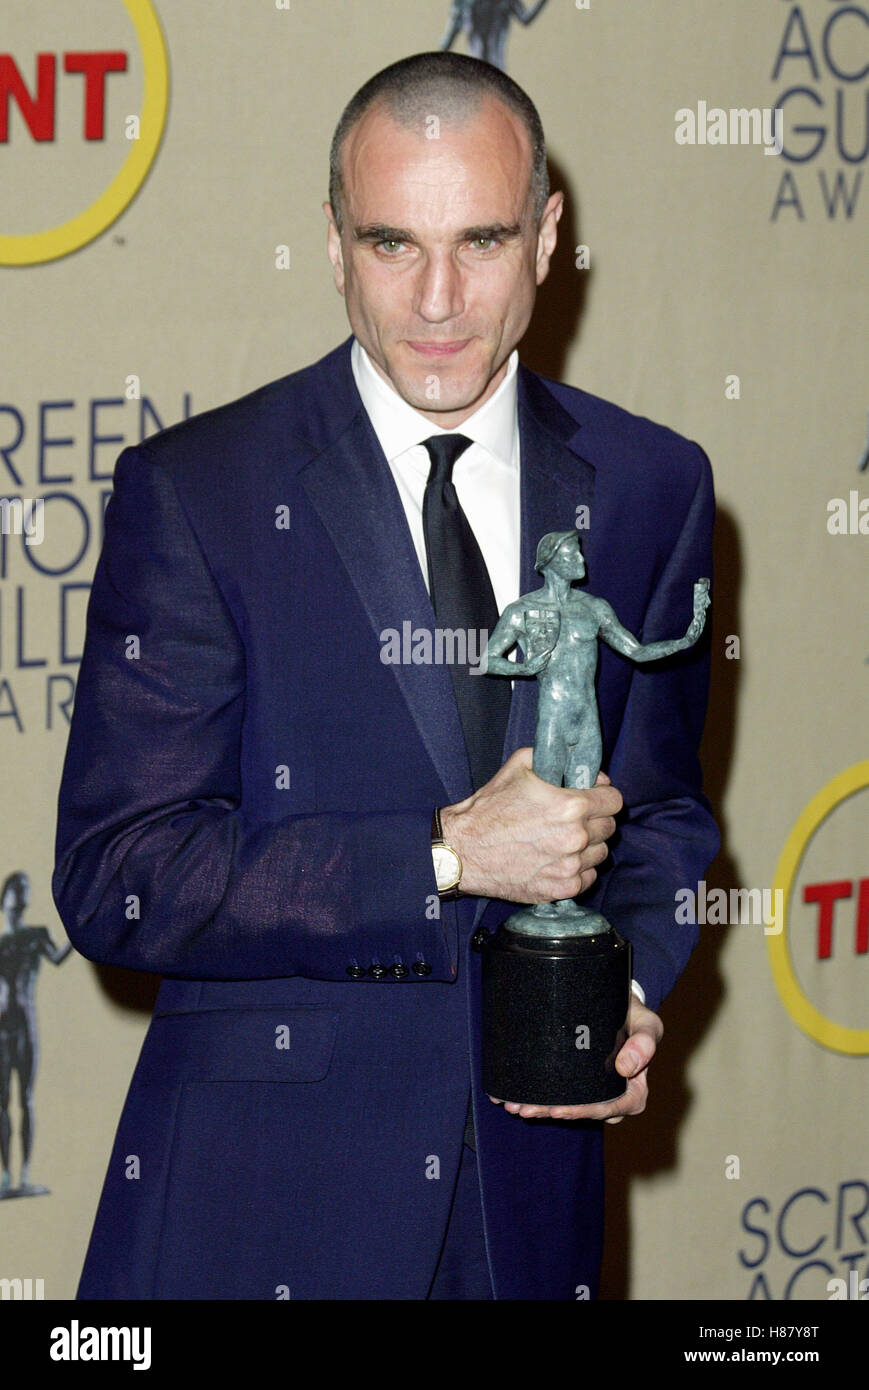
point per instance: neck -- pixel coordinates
(557, 587)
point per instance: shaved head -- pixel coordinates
(451, 88)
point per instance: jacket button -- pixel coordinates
(421, 967)
(398, 971)
(479, 939)
(377, 971)
(356, 972)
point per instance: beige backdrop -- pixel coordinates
(749, 1172)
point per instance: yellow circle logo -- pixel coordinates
(32, 248)
(810, 1019)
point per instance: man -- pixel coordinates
(248, 796)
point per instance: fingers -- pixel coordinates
(642, 1021)
(568, 875)
(633, 1102)
(645, 1031)
(525, 840)
(583, 820)
(594, 855)
(605, 800)
(520, 762)
(600, 829)
(635, 1055)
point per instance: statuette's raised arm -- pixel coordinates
(616, 636)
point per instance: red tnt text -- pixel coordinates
(826, 895)
(38, 108)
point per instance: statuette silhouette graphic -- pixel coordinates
(555, 967)
(486, 23)
(22, 950)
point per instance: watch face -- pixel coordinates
(447, 866)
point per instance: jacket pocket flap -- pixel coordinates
(276, 1044)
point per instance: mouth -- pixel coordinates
(439, 349)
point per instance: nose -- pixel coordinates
(439, 291)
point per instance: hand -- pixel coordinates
(701, 603)
(701, 599)
(645, 1031)
(521, 839)
(533, 665)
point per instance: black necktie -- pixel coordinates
(463, 598)
(464, 601)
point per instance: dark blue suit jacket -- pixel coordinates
(245, 810)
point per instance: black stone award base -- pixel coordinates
(554, 1014)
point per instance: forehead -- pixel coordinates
(478, 170)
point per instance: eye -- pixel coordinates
(484, 243)
(389, 243)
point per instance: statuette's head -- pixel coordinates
(560, 551)
(15, 894)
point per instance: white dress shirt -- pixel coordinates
(486, 475)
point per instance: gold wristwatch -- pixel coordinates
(447, 864)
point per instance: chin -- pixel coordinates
(454, 395)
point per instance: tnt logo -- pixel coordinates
(38, 108)
(820, 955)
(82, 111)
(826, 895)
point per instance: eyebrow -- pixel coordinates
(495, 231)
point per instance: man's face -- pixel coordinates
(440, 258)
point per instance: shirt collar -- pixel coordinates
(398, 426)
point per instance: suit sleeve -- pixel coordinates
(160, 865)
(667, 835)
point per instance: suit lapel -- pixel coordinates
(352, 488)
(350, 485)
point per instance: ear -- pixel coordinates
(547, 234)
(334, 248)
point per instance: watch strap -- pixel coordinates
(437, 837)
